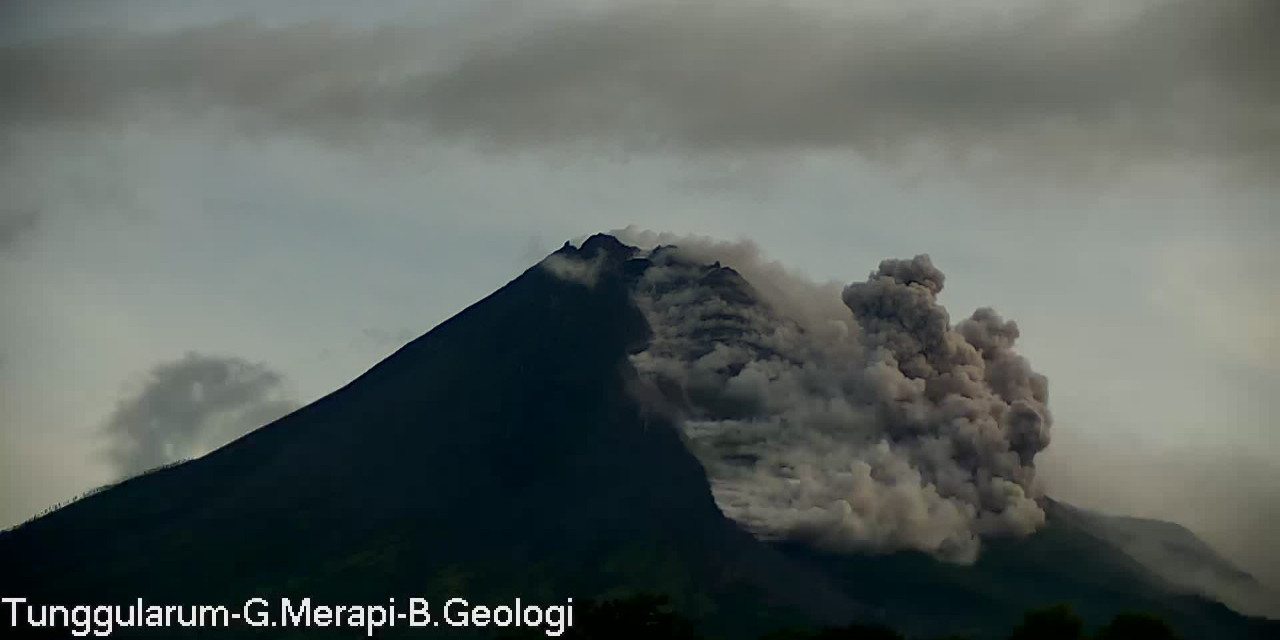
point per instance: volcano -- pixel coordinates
(519, 450)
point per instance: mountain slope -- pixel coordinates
(503, 438)
(504, 454)
(1063, 562)
(1179, 557)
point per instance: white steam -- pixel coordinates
(583, 272)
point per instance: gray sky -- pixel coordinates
(299, 188)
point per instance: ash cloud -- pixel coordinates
(1038, 82)
(883, 427)
(189, 407)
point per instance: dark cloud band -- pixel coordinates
(1184, 79)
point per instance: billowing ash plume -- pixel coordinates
(886, 428)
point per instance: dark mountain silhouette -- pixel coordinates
(1062, 563)
(1174, 553)
(501, 455)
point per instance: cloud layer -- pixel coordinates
(1049, 82)
(882, 427)
(190, 406)
(1183, 77)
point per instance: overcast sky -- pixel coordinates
(215, 211)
